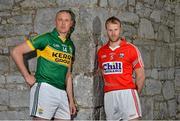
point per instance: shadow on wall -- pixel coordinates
(98, 113)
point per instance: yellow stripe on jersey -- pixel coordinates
(56, 56)
(30, 44)
(38, 52)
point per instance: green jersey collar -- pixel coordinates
(56, 34)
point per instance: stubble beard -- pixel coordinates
(112, 39)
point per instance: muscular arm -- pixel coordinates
(69, 90)
(140, 77)
(17, 55)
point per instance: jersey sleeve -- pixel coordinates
(37, 42)
(137, 61)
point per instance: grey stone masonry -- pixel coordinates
(152, 25)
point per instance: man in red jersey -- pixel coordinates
(118, 59)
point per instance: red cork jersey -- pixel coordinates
(118, 65)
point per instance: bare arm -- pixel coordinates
(17, 55)
(69, 90)
(140, 77)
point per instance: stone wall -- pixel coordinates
(152, 25)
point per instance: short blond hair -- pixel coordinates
(113, 20)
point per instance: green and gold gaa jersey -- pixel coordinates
(54, 58)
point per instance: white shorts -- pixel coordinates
(122, 105)
(47, 102)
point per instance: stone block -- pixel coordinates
(83, 91)
(4, 65)
(155, 15)
(98, 91)
(164, 16)
(177, 26)
(170, 73)
(13, 41)
(44, 21)
(169, 6)
(4, 97)
(177, 9)
(4, 13)
(172, 108)
(160, 56)
(150, 2)
(3, 108)
(118, 3)
(178, 116)
(177, 79)
(170, 21)
(11, 29)
(143, 11)
(21, 19)
(145, 29)
(84, 114)
(85, 51)
(129, 17)
(19, 98)
(103, 3)
(14, 115)
(146, 53)
(77, 3)
(153, 87)
(6, 4)
(154, 73)
(156, 105)
(163, 34)
(15, 78)
(163, 111)
(88, 19)
(38, 3)
(132, 2)
(147, 108)
(159, 4)
(168, 90)
(2, 79)
(129, 31)
(158, 98)
(164, 74)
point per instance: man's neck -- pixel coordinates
(63, 35)
(114, 44)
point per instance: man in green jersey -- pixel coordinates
(51, 93)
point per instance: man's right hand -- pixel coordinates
(30, 80)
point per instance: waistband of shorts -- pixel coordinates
(58, 87)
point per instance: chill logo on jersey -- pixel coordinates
(56, 56)
(113, 67)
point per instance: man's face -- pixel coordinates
(113, 31)
(63, 22)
